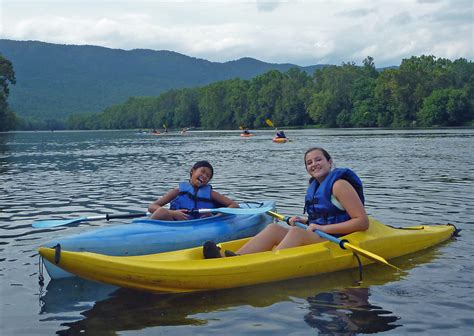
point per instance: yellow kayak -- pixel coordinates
(187, 271)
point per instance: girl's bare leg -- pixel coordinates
(272, 235)
(163, 214)
(298, 237)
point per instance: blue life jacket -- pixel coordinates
(318, 203)
(189, 198)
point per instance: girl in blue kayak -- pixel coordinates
(196, 193)
(334, 203)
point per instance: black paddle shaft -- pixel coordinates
(129, 215)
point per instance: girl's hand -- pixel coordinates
(294, 219)
(313, 227)
(180, 214)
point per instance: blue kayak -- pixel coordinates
(147, 236)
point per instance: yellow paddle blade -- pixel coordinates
(269, 123)
(369, 255)
(276, 215)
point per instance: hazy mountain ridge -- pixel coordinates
(55, 80)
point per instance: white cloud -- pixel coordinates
(301, 32)
(268, 6)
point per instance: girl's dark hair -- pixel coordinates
(322, 150)
(200, 164)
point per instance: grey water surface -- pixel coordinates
(411, 177)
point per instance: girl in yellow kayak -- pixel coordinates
(196, 193)
(334, 203)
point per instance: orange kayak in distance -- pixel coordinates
(280, 140)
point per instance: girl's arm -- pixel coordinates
(163, 200)
(224, 200)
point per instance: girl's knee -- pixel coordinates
(273, 232)
(276, 228)
(160, 213)
(295, 231)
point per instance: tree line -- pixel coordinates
(423, 91)
(7, 76)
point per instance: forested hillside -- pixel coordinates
(423, 91)
(55, 81)
(87, 87)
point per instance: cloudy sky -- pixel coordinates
(302, 32)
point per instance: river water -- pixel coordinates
(411, 177)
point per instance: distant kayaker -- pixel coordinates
(280, 133)
(246, 130)
(196, 193)
(334, 203)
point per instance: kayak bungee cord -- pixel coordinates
(41, 282)
(41, 271)
(57, 257)
(360, 267)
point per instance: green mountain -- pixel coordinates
(55, 81)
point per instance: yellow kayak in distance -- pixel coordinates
(187, 271)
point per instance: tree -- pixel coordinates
(295, 95)
(364, 112)
(186, 112)
(344, 95)
(213, 113)
(7, 77)
(237, 102)
(446, 107)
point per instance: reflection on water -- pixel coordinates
(348, 312)
(410, 177)
(344, 312)
(129, 310)
(73, 294)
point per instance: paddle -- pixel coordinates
(342, 243)
(230, 211)
(234, 211)
(62, 222)
(269, 122)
